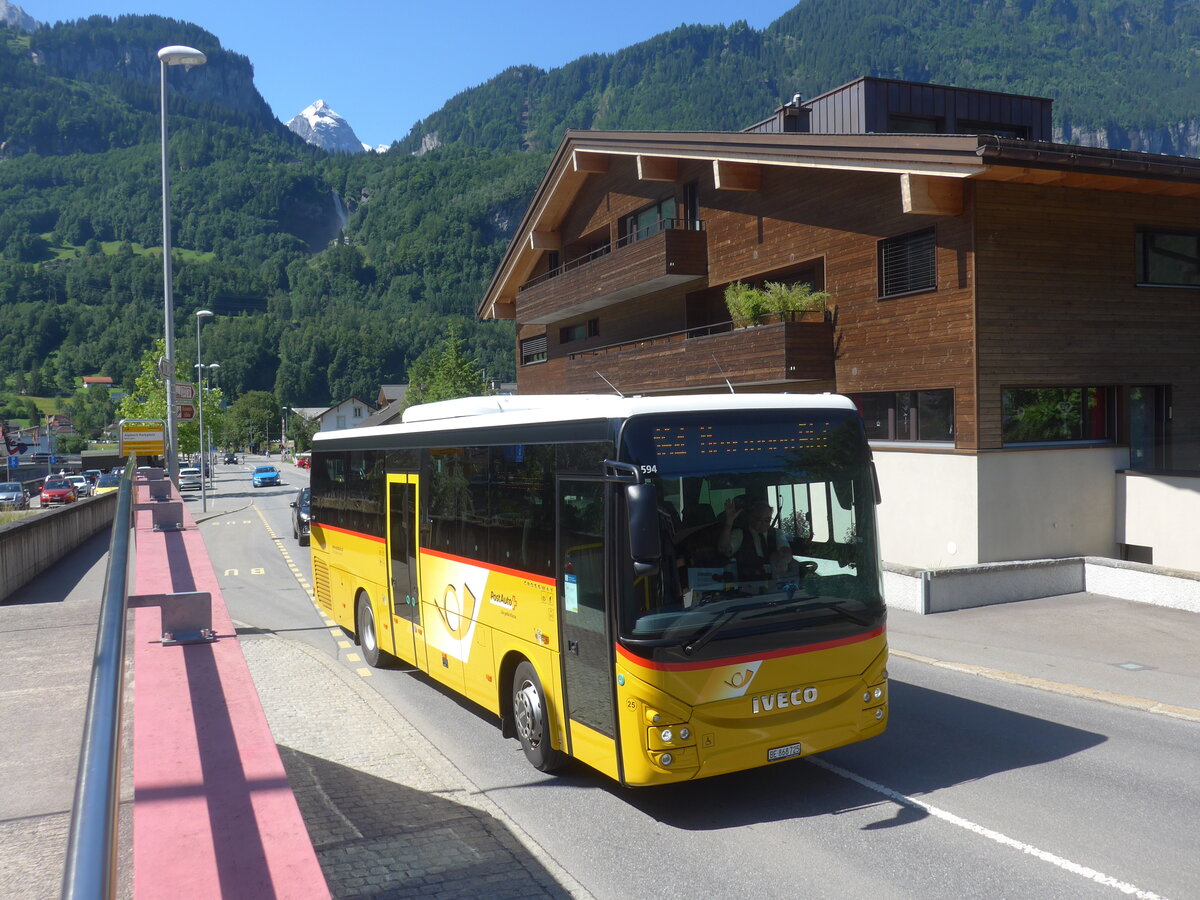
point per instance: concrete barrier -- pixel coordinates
(34, 543)
(966, 587)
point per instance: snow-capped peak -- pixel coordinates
(320, 125)
(14, 16)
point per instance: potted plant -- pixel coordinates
(773, 302)
(746, 304)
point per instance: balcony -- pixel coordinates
(633, 267)
(800, 350)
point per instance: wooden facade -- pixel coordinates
(1034, 251)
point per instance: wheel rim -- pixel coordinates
(528, 711)
(366, 630)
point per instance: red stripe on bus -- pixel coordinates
(541, 579)
(357, 534)
(749, 657)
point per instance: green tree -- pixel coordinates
(444, 372)
(251, 419)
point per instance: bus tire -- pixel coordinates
(532, 720)
(367, 634)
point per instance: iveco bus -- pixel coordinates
(664, 588)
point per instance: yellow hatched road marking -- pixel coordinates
(353, 657)
(365, 673)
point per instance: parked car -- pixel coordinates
(13, 496)
(92, 476)
(82, 487)
(301, 514)
(190, 479)
(107, 484)
(264, 475)
(58, 490)
(303, 460)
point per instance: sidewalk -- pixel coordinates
(1117, 651)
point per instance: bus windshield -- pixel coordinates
(768, 534)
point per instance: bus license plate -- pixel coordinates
(783, 752)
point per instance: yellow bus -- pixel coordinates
(664, 588)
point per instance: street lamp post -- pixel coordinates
(201, 315)
(174, 55)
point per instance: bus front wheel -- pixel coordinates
(532, 720)
(368, 636)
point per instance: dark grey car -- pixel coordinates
(301, 514)
(13, 496)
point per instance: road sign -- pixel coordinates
(185, 412)
(142, 436)
(14, 462)
(185, 391)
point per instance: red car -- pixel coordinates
(58, 490)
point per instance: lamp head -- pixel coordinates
(177, 55)
(203, 313)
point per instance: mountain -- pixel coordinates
(320, 126)
(15, 17)
(331, 273)
(1122, 73)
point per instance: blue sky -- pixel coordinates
(384, 64)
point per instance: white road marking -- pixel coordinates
(1065, 864)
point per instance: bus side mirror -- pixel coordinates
(645, 541)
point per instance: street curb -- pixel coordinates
(467, 792)
(1126, 701)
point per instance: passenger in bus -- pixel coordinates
(760, 550)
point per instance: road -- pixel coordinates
(980, 788)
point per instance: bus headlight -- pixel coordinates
(667, 735)
(666, 759)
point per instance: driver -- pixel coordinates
(759, 550)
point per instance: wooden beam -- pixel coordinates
(735, 176)
(927, 195)
(657, 168)
(591, 163)
(545, 240)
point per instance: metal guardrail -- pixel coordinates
(91, 869)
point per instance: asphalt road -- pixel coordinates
(982, 787)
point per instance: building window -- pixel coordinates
(1170, 258)
(649, 221)
(907, 264)
(358, 412)
(579, 331)
(999, 129)
(1057, 414)
(533, 350)
(898, 124)
(926, 416)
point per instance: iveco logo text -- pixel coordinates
(782, 700)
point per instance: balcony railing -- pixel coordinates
(798, 348)
(671, 252)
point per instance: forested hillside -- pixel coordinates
(1122, 73)
(331, 274)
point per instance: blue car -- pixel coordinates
(265, 475)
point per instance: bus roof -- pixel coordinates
(532, 409)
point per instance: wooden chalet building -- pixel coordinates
(1016, 319)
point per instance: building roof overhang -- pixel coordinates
(923, 164)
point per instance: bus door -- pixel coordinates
(404, 609)
(587, 646)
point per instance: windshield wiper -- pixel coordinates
(829, 604)
(709, 631)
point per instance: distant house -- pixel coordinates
(93, 380)
(349, 413)
(1016, 319)
(389, 393)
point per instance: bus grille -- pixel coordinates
(321, 585)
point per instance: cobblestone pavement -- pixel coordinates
(390, 817)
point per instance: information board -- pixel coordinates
(145, 437)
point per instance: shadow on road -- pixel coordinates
(935, 741)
